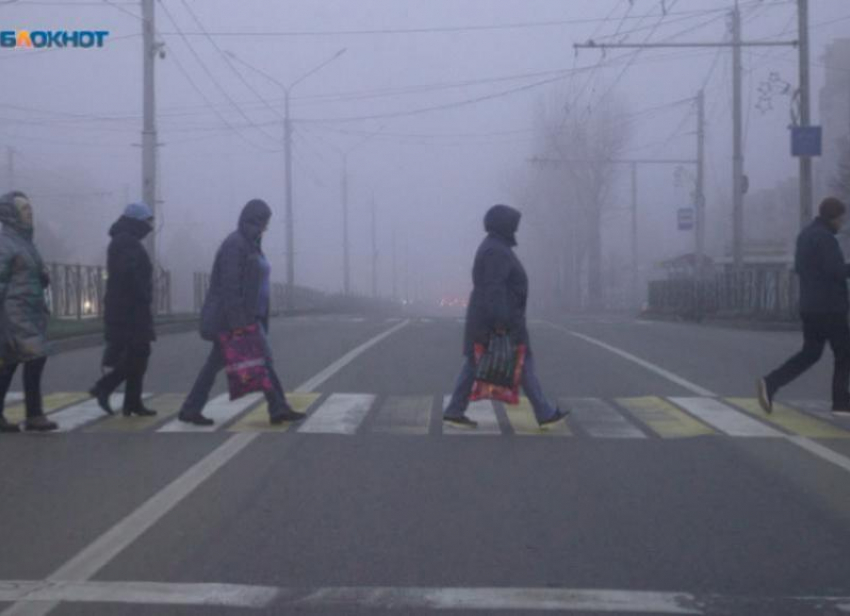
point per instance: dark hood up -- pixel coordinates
(10, 215)
(138, 229)
(502, 221)
(254, 218)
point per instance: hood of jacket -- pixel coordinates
(254, 219)
(502, 221)
(138, 229)
(16, 213)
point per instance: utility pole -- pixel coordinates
(806, 181)
(737, 143)
(290, 221)
(374, 250)
(346, 258)
(395, 264)
(700, 202)
(739, 183)
(635, 268)
(149, 136)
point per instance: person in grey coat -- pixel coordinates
(497, 306)
(23, 311)
(239, 296)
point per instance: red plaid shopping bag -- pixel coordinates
(245, 361)
(498, 372)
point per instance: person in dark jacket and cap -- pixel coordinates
(128, 313)
(819, 262)
(23, 311)
(497, 306)
(239, 296)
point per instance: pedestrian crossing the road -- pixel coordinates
(355, 414)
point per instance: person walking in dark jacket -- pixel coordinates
(128, 314)
(497, 306)
(239, 295)
(819, 262)
(23, 311)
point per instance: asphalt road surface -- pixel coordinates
(666, 492)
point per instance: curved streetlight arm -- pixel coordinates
(277, 82)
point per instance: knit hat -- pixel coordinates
(138, 211)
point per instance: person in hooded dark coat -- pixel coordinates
(23, 311)
(497, 306)
(239, 296)
(128, 311)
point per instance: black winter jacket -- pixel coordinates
(128, 303)
(234, 293)
(823, 272)
(500, 284)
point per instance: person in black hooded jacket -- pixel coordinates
(238, 296)
(497, 306)
(128, 311)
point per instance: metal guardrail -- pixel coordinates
(305, 299)
(77, 291)
(763, 293)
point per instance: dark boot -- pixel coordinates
(7, 427)
(196, 419)
(40, 423)
(102, 398)
(140, 411)
(286, 415)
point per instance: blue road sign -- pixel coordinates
(806, 140)
(685, 217)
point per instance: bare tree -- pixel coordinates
(841, 179)
(579, 148)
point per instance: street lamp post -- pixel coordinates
(287, 152)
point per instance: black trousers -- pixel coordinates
(32, 385)
(129, 363)
(818, 329)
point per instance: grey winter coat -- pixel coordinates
(233, 297)
(500, 284)
(823, 273)
(23, 281)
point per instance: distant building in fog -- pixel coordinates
(834, 111)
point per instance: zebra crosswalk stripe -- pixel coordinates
(481, 411)
(220, 409)
(791, 420)
(339, 414)
(724, 418)
(663, 418)
(598, 418)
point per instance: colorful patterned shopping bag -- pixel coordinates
(245, 361)
(498, 370)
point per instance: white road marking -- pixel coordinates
(700, 391)
(312, 384)
(86, 412)
(339, 414)
(809, 445)
(220, 409)
(599, 419)
(481, 411)
(106, 547)
(35, 594)
(489, 599)
(144, 593)
(726, 419)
